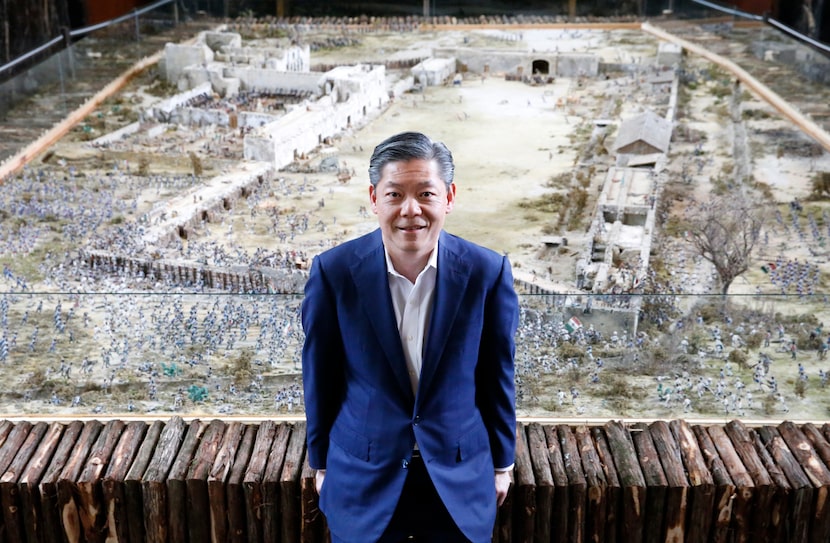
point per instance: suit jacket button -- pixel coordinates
(417, 420)
(404, 463)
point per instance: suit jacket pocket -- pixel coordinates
(350, 441)
(474, 442)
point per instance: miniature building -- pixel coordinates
(669, 54)
(644, 134)
(434, 71)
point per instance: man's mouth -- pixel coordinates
(413, 228)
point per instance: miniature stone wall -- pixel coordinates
(275, 80)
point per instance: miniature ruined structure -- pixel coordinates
(352, 94)
(221, 59)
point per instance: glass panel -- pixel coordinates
(579, 356)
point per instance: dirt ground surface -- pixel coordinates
(90, 342)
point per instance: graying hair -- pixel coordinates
(408, 146)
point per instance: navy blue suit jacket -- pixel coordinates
(363, 418)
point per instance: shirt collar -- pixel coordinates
(431, 263)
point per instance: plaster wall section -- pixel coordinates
(485, 60)
(163, 110)
(577, 65)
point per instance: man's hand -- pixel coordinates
(502, 486)
(318, 479)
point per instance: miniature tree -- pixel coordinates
(724, 231)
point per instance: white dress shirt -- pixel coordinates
(413, 308)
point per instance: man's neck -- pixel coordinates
(410, 266)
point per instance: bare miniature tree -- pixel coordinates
(724, 231)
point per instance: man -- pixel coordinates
(408, 364)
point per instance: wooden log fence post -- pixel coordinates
(702, 487)
(632, 481)
(524, 491)
(540, 461)
(153, 490)
(133, 499)
(113, 484)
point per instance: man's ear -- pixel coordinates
(373, 199)
(450, 197)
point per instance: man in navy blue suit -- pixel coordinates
(408, 364)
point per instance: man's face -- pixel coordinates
(411, 202)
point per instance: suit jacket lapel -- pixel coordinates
(370, 277)
(453, 274)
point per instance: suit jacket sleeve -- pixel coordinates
(495, 387)
(323, 356)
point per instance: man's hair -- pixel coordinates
(408, 146)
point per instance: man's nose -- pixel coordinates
(410, 207)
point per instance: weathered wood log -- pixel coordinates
(656, 483)
(271, 491)
(816, 472)
(133, 499)
(114, 494)
(632, 481)
(76, 432)
(702, 487)
(803, 493)
(313, 528)
(198, 501)
(818, 441)
(779, 509)
(31, 476)
(68, 510)
(725, 489)
(252, 481)
(677, 493)
(87, 491)
(561, 490)
(9, 490)
(764, 492)
(290, 483)
(524, 491)
(6, 426)
(153, 483)
(177, 483)
(577, 486)
(217, 480)
(596, 505)
(744, 484)
(235, 492)
(540, 461)
(613, 489)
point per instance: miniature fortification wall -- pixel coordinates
(522, 62)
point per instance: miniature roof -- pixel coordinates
(648, 128)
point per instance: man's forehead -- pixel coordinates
(393, 171)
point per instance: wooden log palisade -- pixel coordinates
(177, 480)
